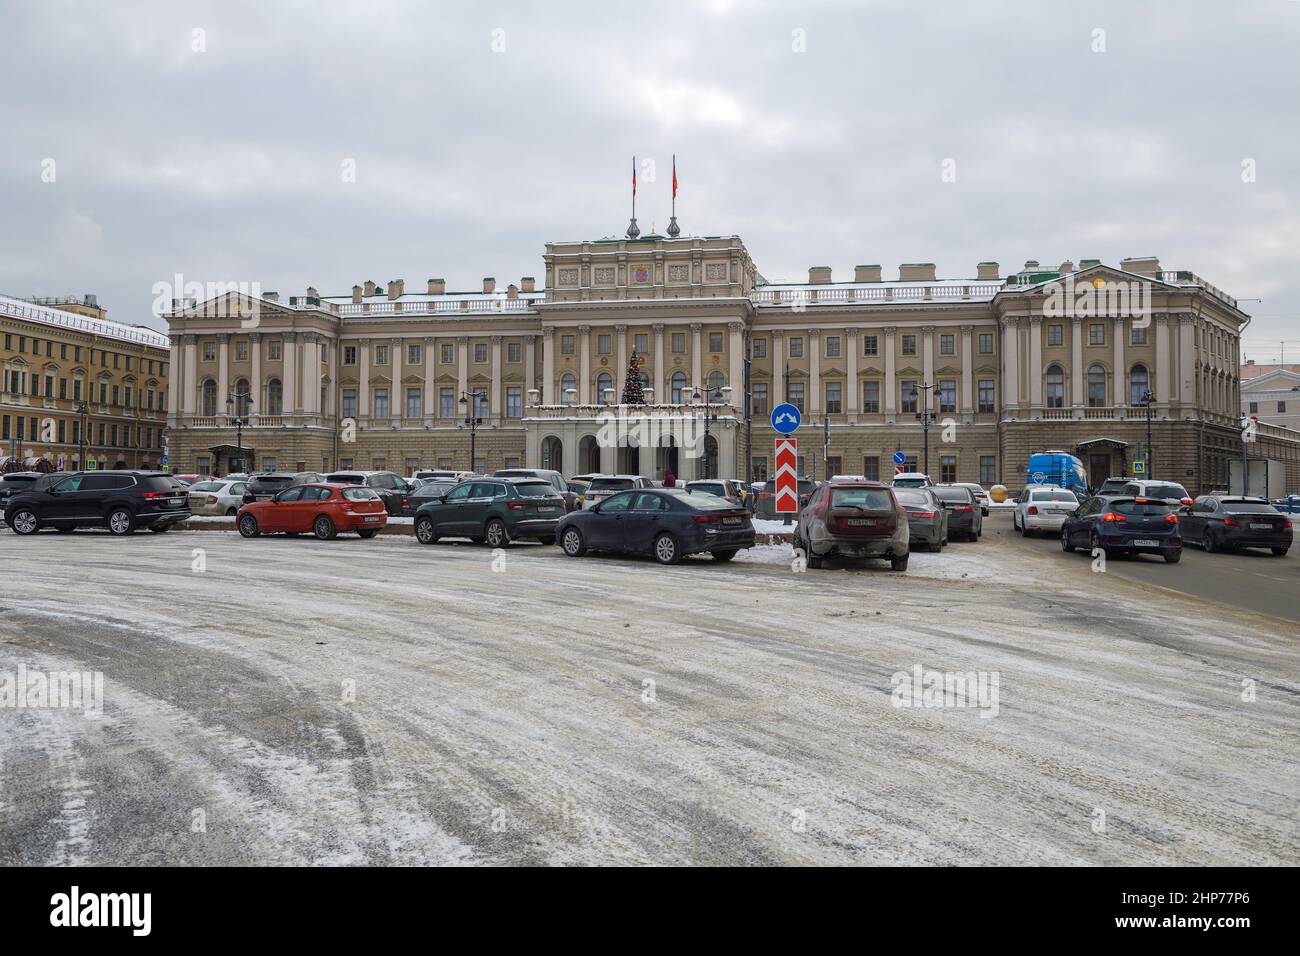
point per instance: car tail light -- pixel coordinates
(1111, 517)
(406, 503)
(153, 495)
(1288, 524)
(922, 514)
(1033, 510)
(963, 508)
(516, 505)
(705, 519)
(1229, 520)
(1187, 501)
(1171, 518)
(212, 499)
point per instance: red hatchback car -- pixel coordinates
(322, 509)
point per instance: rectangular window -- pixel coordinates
(834, 465)
(275, 350)
(381, 354)
(986, 343)
(871, 397)
(641, 343)
(1055, 335)
(796, 347)
(63, 388)
(117, 396)
(947, 469)
(413, 409)
(349, 403)
(604, 344)
(759, 348)
(758, 465)
(1281, 408)
(909, 344)
(907, 391)
(381, 403)
(241, 351)
(986, 398)
(446, 403)
(679, 343)
(948, 395)
(414, 355)
(514, 401)
(449, 353)
(1097, 334)
(795, 397)
(514, 352)
(715, 341)
(1138, 336)
(76, 389)
(412, 465)
(870, 345)
(832, 346)
(871, 467)
(480, 353)
(759, 398)
(833, 392)
(1254, 408)
(566, 344)
(349, 355)
(988, 470)
(209, 353)
(947, 345)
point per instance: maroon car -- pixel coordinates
(853, 519)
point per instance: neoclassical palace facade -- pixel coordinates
(386, 377)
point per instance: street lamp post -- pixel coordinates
(706, 393)
(237, 405)
(82, 409)
(472, 420)
(926, 416)
(1147, 400)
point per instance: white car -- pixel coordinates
(220, 497)
(602, 486)
(1043, 509)
(912, 479)
(980, 494)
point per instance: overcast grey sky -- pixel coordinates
(481, 130)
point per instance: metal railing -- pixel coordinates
(437, 306)
(885, 293)
(36, 313)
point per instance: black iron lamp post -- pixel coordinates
(926, 416)
(472, 420)
(707, 392)
(237, 406)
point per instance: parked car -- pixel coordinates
(321, 508)
(666, 523)
(428, 490)
(16, 482)
(555, 479)
(120, 500)
(927, 519)
(602, 486)
(854, 519)
(980, 494)
(1170, 491)
(1043, 509)
(1024, 495)
(441, 475)
(912, 479)
(1113, 485)
(235, 476)
(495, 510)
(1229, 523)
(765, 501)
(722, 487)
(268, 484)
(221, 497)
(188, 480)
(963, 508)
(1124, 525)
(392, 488)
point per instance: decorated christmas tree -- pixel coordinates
(632, 393)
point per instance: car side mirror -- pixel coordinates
(249, 498)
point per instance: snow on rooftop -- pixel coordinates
(142, 335)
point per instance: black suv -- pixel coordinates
(19, 481)
(394, 490)
(271, 483)
(120, 501)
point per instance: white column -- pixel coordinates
(190, 397)
(584, 366)
(697, 358)
(620, 373)
(967, 371)
(363, 373)
(397, 393)
(658, 379)
(1186, 361)
(289, 354)
(430, 374)
(174, 367)
(891, 385)
(1078, 373)
(496, 406)
(853, 400)
(1036, 361)
(462, 374)
(311, 376)
(1163, 371)
(548, 369)
(927, 354)
(331, 396)
(223, 370)
(815, 386)
(530, 365)
(1010, 363)
(736, 354)
(1117, 330)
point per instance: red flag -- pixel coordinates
(633, 175)
(674, 176)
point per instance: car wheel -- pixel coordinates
(120, 521)
(1209, 543)
(25, 522)
(723, 556)
(572, 544)
(1278, 552)
(248, 526)
(665, 549)
(368, 532)
(898, 562)
(1173, 556)
(1065, 542)
(231, 512)
(424, 532)
(323, 528)
(496, 534)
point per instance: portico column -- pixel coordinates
(1117, 328)
(430, 356)
(1010, 363)
(174, 363)
(815, 373)
(620, 373)
(1165, 379)
(658, 377)
(891, 386)
(290, 357)
(462, 376)
(494, 400)
(697, 359)
(584, 365)
(190, 396)
(778, 367)
(736, 353)
(363, 374)
(548, 367)
(967, 372)
(1078, 374)
(1036, 361)
(223, 369)
(853, 399)
(311, 374)
(397, 394)
(1186, 362)
(927, 354)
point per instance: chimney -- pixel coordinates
(916, 272)
(528, 284)
(437, 286)
(987, 270)
(1066, 267)
(1031, 265)
(489, 284)
(1089, 263)
(271, 296)
(392, 288)
(512, 291)
(866, 273)
(819, 275)
(370, 287)
(1148, 266)
(356, 294)
(401, 287)
(311, 291)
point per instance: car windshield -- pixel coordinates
(348, 479)
(1141, 508)
(359, 494)
(1054, 496)
(704, 502)
(434, 489)
(205, 486)
(708, 489)
(910, 497)
(610, 484)
(875, 499)
(536, 489)
(1165, 491)
(1251, 507)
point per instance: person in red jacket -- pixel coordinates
(670, 480)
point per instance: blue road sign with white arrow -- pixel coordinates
(786, 418)
(899, 458)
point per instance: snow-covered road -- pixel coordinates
(383, 702)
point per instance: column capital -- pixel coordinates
(735, 326)
(177, 340)
(496, 340)
(462, 340)
(621, 329)
(1035, 320)
(1119, 320)
(890, 331)
(695, 327)
(430, 340)
(813, 333)
(658, 328)
(364, 343)
(548, 330)
(255, 337)
(927, 329)
(967, 330)
(1076, 320)
(776, 333)
(223, 338)
(584, 329)
(1007, 321)
(189, 338)
(850, 334)
(289, 335)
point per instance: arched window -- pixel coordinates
(603, 381)
(243, 398)
(1096, 386)
(715, 381)
(274, 397)
(1055, 387)
(209, 399)
(1139, 381)
(568, 383)
(678, 385)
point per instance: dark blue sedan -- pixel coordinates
(1125, 525)
(666, 524)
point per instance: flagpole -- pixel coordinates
(632, 230)
(674, 230)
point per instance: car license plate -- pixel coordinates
(549, 510)
(863, 522)
(370, 518)
(1146, 543)
(1264, 526)
(176, 502)
(731, 520)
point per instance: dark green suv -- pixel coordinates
(495, 510)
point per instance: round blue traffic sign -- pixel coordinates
(786, 418)
(899, 458)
